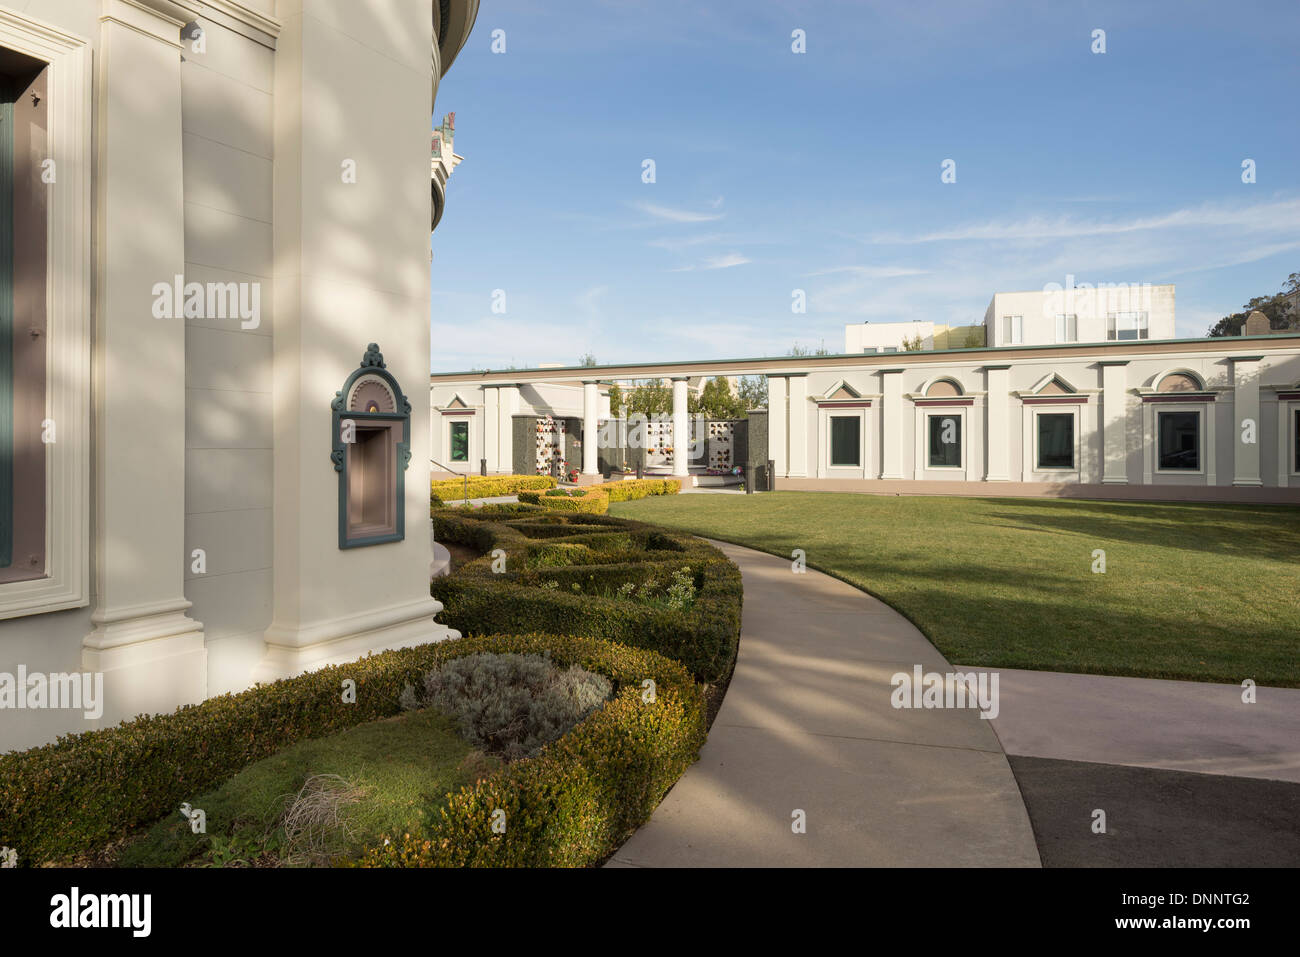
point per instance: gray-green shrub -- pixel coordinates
(510, 704)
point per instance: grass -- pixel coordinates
(1190, 591)
(403, 768)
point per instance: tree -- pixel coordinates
(913, 344)
(752, 391)
(1282, 309)
(798, 350)
(587, 360)
(974, 339)
(648, 397)
(715, 401)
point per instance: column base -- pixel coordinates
(1114, 481)
(1248, 483)
(293, 651)
(152, 663)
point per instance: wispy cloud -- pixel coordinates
(1282, 214)
(671, 215)
(870, 272)
(725, 261)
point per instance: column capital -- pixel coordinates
(161, 20)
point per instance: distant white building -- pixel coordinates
(1080, 313)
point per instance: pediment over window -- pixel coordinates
(943, 389)
(1053, 384)
(1180, 381)
(840, 392)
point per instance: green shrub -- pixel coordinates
(575, 802)
(592, 499)
(630, 489)
(86, 790)
(509, 704)
(487, 486)
(703, 636)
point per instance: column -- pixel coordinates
(591, 427)
(776, 416)
(681, 428)
(149, 649)
(507, 406)
(998, 385)
(1246, 424)
(798, 427)
(332, 605)
(892, 423)
(491, 430)
(1114, 422)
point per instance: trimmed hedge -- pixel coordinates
(574, 803)
(478, 601)
(592, 500)
(86, 790)
(630, 489)
(484, 486)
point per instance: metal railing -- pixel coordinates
(453, 472)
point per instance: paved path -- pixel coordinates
(807, 724)
(1146, 722)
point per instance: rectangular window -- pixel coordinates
(1056, 440)
(1013, 330)
(1179, 441)
(1296, 440)
(1067, 328)
(23, 333)
(945, 441)
(460, 441)
(846, 440)
(890, 349)
(1122, 326)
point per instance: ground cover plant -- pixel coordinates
(1194, 591)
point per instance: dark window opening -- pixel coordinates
(846, 441)
(24, 109)
(1180, 441)
(372, 505)
(945, 441)
(1055, 440)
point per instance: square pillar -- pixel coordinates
(507, 407)
(492, 429)
(776, 423)
(1114, 422)
(892, 422)
(998, 385)
(1246, 424)
(591, 427)
(151, 652)
(681, 429)
(797, 430)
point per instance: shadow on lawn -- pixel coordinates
(1253, 531)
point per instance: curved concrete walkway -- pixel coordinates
(807, 725)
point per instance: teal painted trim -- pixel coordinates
(372, 363)
(7, 93)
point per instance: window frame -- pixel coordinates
(1113, 330)
(959, 415)
(832, 418)
(69, 226)
(1200, 441)
(451, 423)
(1013, 330)
(860, 409)
(1068, 319)
(1035, 435)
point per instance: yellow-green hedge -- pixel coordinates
(630, 489)
(593, 500)
(485, 486)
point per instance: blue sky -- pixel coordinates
(820, 171)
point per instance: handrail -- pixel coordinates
(453, 472)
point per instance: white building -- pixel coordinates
(1080, 313)
(221, 302)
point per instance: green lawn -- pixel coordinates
(1202, 592)
(404, 766)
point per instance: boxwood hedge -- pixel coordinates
(482, 598)
(86, 790)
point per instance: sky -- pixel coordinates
(820, 171)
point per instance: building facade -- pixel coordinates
(1191, 419)
(1055, 315)
(215, 313)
